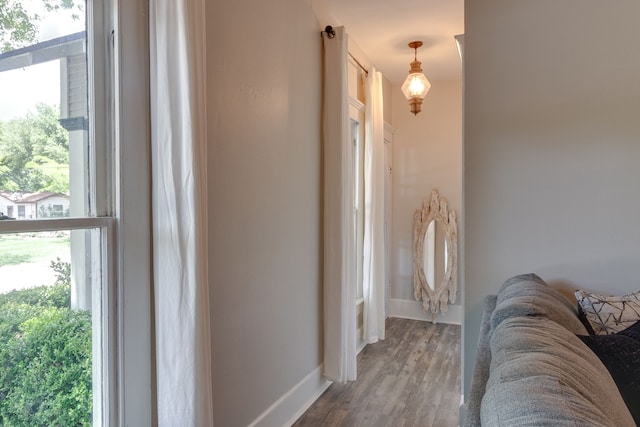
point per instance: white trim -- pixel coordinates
(361, 342)
(389, 131)
(355, 103)
(286, 410)
(99, 92)
(460, 44)
(28, 226)
(109, 326)
(136, 394)
(406, 309)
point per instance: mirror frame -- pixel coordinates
(437, 299)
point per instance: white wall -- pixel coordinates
(363, 59)
(427, 154)
(552, 131)
(264, 82)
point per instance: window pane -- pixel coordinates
(50, 328)
(45, 146)
(52, 165)
(26, 259)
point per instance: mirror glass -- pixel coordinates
(434, 255)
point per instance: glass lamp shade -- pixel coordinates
(415, 88)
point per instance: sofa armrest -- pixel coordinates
(482, 364)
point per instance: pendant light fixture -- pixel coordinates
(416, 85)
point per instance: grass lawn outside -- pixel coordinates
(23, 248)
(25, 259)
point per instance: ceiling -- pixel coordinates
(383, 28)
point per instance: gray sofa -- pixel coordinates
(531, 367)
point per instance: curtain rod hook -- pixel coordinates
(331, 33)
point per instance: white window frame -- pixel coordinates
(119, 66)
(356, 116)
(133, 212)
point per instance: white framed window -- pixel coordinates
(72, 71)
(356, 115)
(54, 116)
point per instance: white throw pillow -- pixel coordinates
(609, 314)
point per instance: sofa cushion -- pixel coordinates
(609, 314)
(481, 368)
(529, 295)
(620, 353)
(543, 374)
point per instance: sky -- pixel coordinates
(22, 89)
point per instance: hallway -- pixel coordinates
(412, 378)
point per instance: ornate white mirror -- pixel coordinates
(435, 249)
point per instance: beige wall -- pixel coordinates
(552, 131)
(264, 76)
(427, 154)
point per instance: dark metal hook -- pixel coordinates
(331, 33)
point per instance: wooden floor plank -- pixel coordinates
(410, 379)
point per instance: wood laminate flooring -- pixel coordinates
(412, 378)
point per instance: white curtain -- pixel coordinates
(373, 248)
(178, 125)
(339, 228)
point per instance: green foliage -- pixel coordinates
(63, 271)
(57, 296)
(45, 357)
(34, 152)
(52, 176)
(49, 374)
(19, 25)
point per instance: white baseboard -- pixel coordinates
(406, 309)
(361, 342)
(286, 410)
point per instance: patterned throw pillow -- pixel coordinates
(609, 314)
